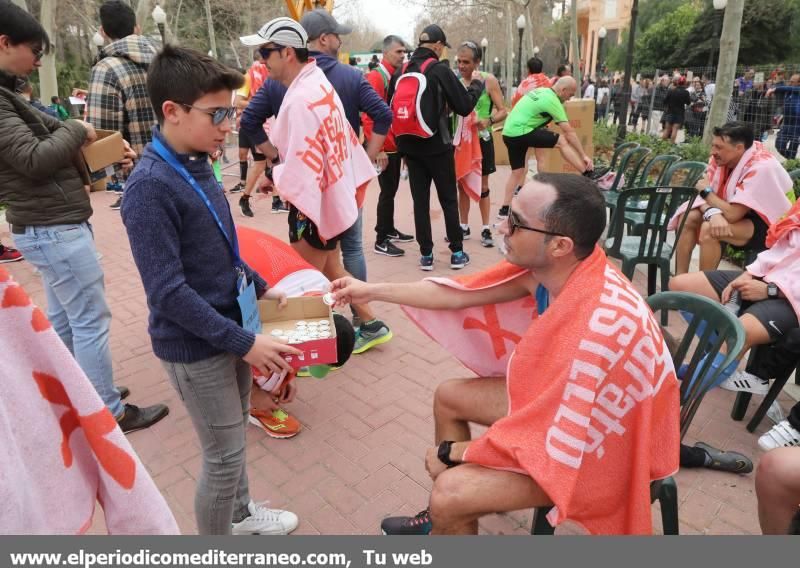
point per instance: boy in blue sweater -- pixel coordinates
(184, 243)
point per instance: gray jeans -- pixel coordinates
(216, 393)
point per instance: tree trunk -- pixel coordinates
(21, 3)
(48, 82)
(626, 81)
(143, 9)
(576, 55)
(726, 68)
(212, 38)
(509, 66)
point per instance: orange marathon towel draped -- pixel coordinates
(62, 449)
(324, 171)
(468, 155)
(593, 397)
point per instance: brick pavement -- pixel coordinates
(366, 426)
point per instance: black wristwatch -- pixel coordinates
(772, 290)
(706, 192)
(443, 453)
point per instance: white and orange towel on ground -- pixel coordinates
(62, 450)
(468, 155)
(758, 182)
(324, 171)
(593, 398)
(780, 263)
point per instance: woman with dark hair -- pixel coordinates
(44, 181)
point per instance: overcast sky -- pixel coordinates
(388, 16)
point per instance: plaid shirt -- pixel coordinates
(118, 97)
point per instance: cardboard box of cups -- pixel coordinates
(305, 323)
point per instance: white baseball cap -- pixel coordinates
(280, 31)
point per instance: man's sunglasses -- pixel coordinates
(265, 52)
(514, 224)
(218, 115)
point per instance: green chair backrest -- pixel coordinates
(619, 150)
(684, 174)
(636, 159)
(658, 204)
(656, 167)
(719, 327)
(629, 158)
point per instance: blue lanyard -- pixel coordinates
(170, 158)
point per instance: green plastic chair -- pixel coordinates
(716, 327)
(795, 176)
(664, 161)
(630, 166)
(658, 205)
(687, 174)
(602, 169)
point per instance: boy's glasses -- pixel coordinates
(37, 52)
(218, 115)
(514, 224)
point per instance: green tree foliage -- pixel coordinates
(655, 48)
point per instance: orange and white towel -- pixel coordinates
(324, 171)
(468, 155)
(593, 398)
(780, 263)
(61, 448)
(758, 182)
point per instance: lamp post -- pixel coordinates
(626, 82)
(160, 17)
(719, 7)
(484, 45)
(521, 30)
(601, 33)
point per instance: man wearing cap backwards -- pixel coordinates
(356, 94)
(432, 159)
(323, 170)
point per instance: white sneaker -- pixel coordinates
(782, 435)
(742, 381)
(263, 520)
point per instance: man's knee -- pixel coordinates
(484, 193)
(705, 236)
(447, 399)
(693, 220)
(448, 503)
(681, 283)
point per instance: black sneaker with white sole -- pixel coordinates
(117, 204)
(419, 525)
(399, 237)
(503, 212)
(486, 238)
(238, 188)
(244, 204)
(459, 260)
(386, 248)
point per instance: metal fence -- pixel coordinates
(752, 101)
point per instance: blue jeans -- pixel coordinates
(65, 256)
(353, 249)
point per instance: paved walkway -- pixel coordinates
(366, 426)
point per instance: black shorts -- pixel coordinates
(673, 118)
(303, 228)
(518, 145)
(776, 315)
(244, 142)
(758, 242)
(487, 157)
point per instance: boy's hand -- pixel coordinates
(350, 290)
(273, 294)
(91, 134)
(284, 393)
(266, 355)
(128, 157)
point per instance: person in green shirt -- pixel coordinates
(59, 108)
(525, 128)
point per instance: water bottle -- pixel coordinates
(734, 303)
(485, 134)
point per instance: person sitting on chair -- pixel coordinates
(768, 289)
(743, 192)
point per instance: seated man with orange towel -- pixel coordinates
(575, 380)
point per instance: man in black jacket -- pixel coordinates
(432, 159)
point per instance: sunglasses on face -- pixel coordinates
(267, 51)
(218, 115)
(514, 224)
